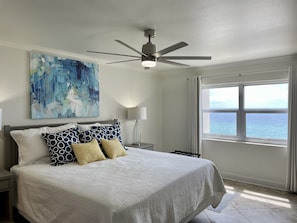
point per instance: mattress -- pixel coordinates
(143, 186)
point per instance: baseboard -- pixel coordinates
(255, 181)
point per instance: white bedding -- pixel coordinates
(142, 187)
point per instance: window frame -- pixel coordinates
(241, 113)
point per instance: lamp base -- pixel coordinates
(137, 134)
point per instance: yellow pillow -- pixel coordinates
(88, 152)
(113, 148)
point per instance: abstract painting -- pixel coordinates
(63, 88)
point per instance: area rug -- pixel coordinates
(227, 199)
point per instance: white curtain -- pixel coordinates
(194, 139)
(292, 136)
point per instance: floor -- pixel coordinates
(253, 204)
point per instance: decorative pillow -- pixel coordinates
(101, 132)
(59, 146)
(113, 148)
(113, 131)
(90, 134)
(110, 131)
(31, 146)
(88, 152)
(84, 127)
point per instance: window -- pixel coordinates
(257, 113)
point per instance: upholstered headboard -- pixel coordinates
(11, 148)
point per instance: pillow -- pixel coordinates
(109, 131)
(59, 146)
(31, 146)
(84, 127)
(61, 128)
(113, 131)
(113, 148)
(90, 134)
(88, 152)
(101, 132)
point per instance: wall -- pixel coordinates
(254, 163)
(175, 103)
(119, 88)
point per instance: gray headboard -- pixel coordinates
(11, 148)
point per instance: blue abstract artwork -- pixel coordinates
(63, 88)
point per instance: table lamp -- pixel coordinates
(137, 114)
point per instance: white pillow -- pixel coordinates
(85, 127)
(61, 128)
(31, 146)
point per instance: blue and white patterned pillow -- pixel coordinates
(59, 146)
(101, 132)
(112, 131)
(90, 134)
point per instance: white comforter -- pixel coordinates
(142, 187)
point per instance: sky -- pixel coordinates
(256, 96)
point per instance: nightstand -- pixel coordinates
(147, 146)
(5, 196)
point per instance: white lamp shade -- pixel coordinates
(137, 113)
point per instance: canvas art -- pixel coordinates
(63, 88)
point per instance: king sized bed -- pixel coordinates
(135, 186)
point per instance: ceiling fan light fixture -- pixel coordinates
(149, 63)
(149, 55)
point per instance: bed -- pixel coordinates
(140, 186)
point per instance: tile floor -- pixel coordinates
(253, 204)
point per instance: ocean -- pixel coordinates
(265, 126)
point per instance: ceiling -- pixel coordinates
(227, 30)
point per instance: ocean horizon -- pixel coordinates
(258, 125)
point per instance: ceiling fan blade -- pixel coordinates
(123, 61)
(116, 54)
(162, 60)
(131, 48)
(187, 58)
(170, 49)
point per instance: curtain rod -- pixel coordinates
(242, 74)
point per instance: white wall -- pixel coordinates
(174, 90)
(259, 164)
(119, 88)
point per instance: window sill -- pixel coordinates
(246, 142)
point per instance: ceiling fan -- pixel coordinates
(149, 56)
